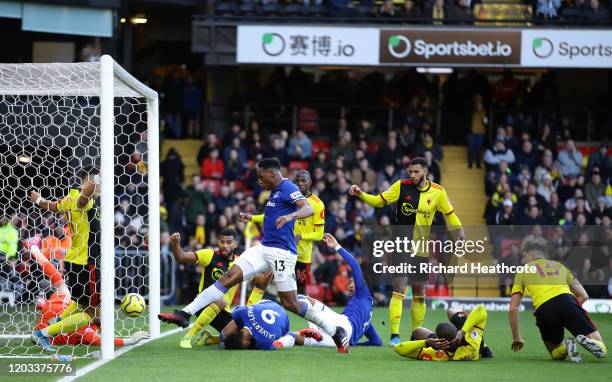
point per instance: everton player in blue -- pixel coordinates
(276, 252)
(256, 326)
(355, 319)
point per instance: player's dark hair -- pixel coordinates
(305, 173)
(418, 160)
(228, 231)
(534, 246)
(446, 330)
(269, 164)
(234, 341)
(88, 171)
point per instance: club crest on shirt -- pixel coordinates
(474, 334)
(217, 273)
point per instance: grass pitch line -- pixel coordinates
(91, 367)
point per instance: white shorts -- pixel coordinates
(259, 259)
(333, 318)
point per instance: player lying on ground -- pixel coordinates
(255, 326)
(51, 308)
(82, 275)
(307, 231)
(557, 297)
(448, 343)
(276, 252)
(355, 319)
(416, 202)
(215, 263)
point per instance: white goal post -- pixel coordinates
(104, 99)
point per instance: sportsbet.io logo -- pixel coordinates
(273, 44)
(542, 47)
(399, 46)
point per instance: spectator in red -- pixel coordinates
(209, 145)
(212, 167)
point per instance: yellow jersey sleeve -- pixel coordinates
(417, 350)
(519, 286)
(319, 213)
(69, 202)
(204, 256)
(257, 218)
(389, 196)
(444, 204)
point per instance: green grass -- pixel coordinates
(164, 360)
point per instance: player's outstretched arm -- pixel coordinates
(389, 196)
(43, 203)
(412, 349)
(372, 336)
(513, 317)
(177, 251)
(331, 242)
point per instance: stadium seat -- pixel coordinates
(271, 9)
(298, 165)
(247, 9)
(293, 9)
(225, 9)
(319, 146)
(314, 10)
(308, 120)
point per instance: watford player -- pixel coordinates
(215, 263)
(307, 231)
(448, 343)
(557, 298)
(416, 202)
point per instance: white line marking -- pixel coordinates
(92, 366)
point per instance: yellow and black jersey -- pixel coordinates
(416, 207)
(550, 280)
(84, 226)
(214, 266)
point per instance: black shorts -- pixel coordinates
(459, 320)
(84, 283)
(559, 313)
(220, 321)
(302, 274)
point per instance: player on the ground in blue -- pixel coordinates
(355, 319)
(276, 252)
(256, 326)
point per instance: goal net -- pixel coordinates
(59, 121)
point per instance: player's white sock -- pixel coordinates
(313, 342)
(212, 293)
(288, 341)
(313, 316)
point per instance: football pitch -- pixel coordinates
(164, 360)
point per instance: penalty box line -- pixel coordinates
(93, 366)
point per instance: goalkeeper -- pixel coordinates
(215, 263)
(82, 258)
(57, 302)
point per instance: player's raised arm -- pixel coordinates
(177, 251)
(389, 196)
(43, 203)
(304, 211)
(331, 242)
(87, 192)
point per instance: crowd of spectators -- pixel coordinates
(416, 11)
(562, 190)
(227, 184)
